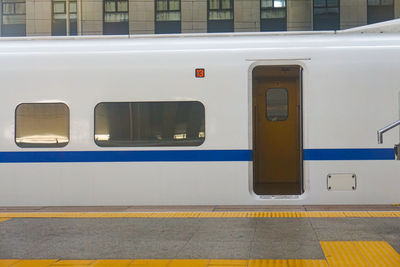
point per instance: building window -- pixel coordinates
(273, 15)
(13, 18)
(124, 124)
(380, 10)
(116, 17)
(168, 16)
(59, 22)
(326, 15)
(220, 16)
(42, 125)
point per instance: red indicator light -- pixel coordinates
(200, 73)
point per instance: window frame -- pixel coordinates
(13, 3)
(42, 103)
(65, 9)
(73, 18)
(325, 7)
(371, 9)
(380, 4)
(167, 11)
(273, 8)
(115, 12)
(141, 145)
(220, 9)
(287, 104)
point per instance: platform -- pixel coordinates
(200, 236)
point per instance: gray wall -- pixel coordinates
(194, 16)
(299, 15)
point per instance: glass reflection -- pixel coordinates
(42, 125)
(277, 104)
(149, 124)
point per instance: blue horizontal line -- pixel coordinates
(349, 154)
(126, 156)
(186, 155)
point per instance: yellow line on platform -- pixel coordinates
(4, 219)
(274, 214)
(164, 263)
(337, 254)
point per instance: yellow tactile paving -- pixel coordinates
(4, 219)
(228, 263)
(307, 263)
(73, 263)
(277, 214)
(33, 263)
(343, 254)
(112, 263)
(361, 253)
(6, 263)
(186, 263)
(150, 263)
(379, 253)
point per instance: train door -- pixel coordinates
(277, 139)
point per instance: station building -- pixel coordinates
(110, 17)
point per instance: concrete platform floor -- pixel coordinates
(307, 236)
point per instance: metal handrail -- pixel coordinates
(385, 129)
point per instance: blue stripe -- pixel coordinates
(349, 154)
(186, 155)
(126, 156)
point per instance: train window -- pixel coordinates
(277, 104)
(119, 124)
(42, 125)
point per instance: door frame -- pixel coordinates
(303, 69)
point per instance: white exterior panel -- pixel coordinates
(350, 90)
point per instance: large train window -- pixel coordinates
(42, 125)
(119, 124)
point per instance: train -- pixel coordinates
(281, 118)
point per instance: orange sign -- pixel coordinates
(200, 73)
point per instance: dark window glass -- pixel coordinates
(220, 16)
(380, 10)
(277, 104)
(59, 22)
(273, 15)
(116, 17)
(326, 15)
(125, 124)
(42, 125)
(13, 18)
(168, 16)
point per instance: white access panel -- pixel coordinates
(342, 182)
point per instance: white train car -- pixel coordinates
(241, 119)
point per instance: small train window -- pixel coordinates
(276, 104)
(124, 124)
(42, 125)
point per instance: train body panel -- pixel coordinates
(350, 88)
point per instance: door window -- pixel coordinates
(277, 104)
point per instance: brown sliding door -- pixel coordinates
(277, 130)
